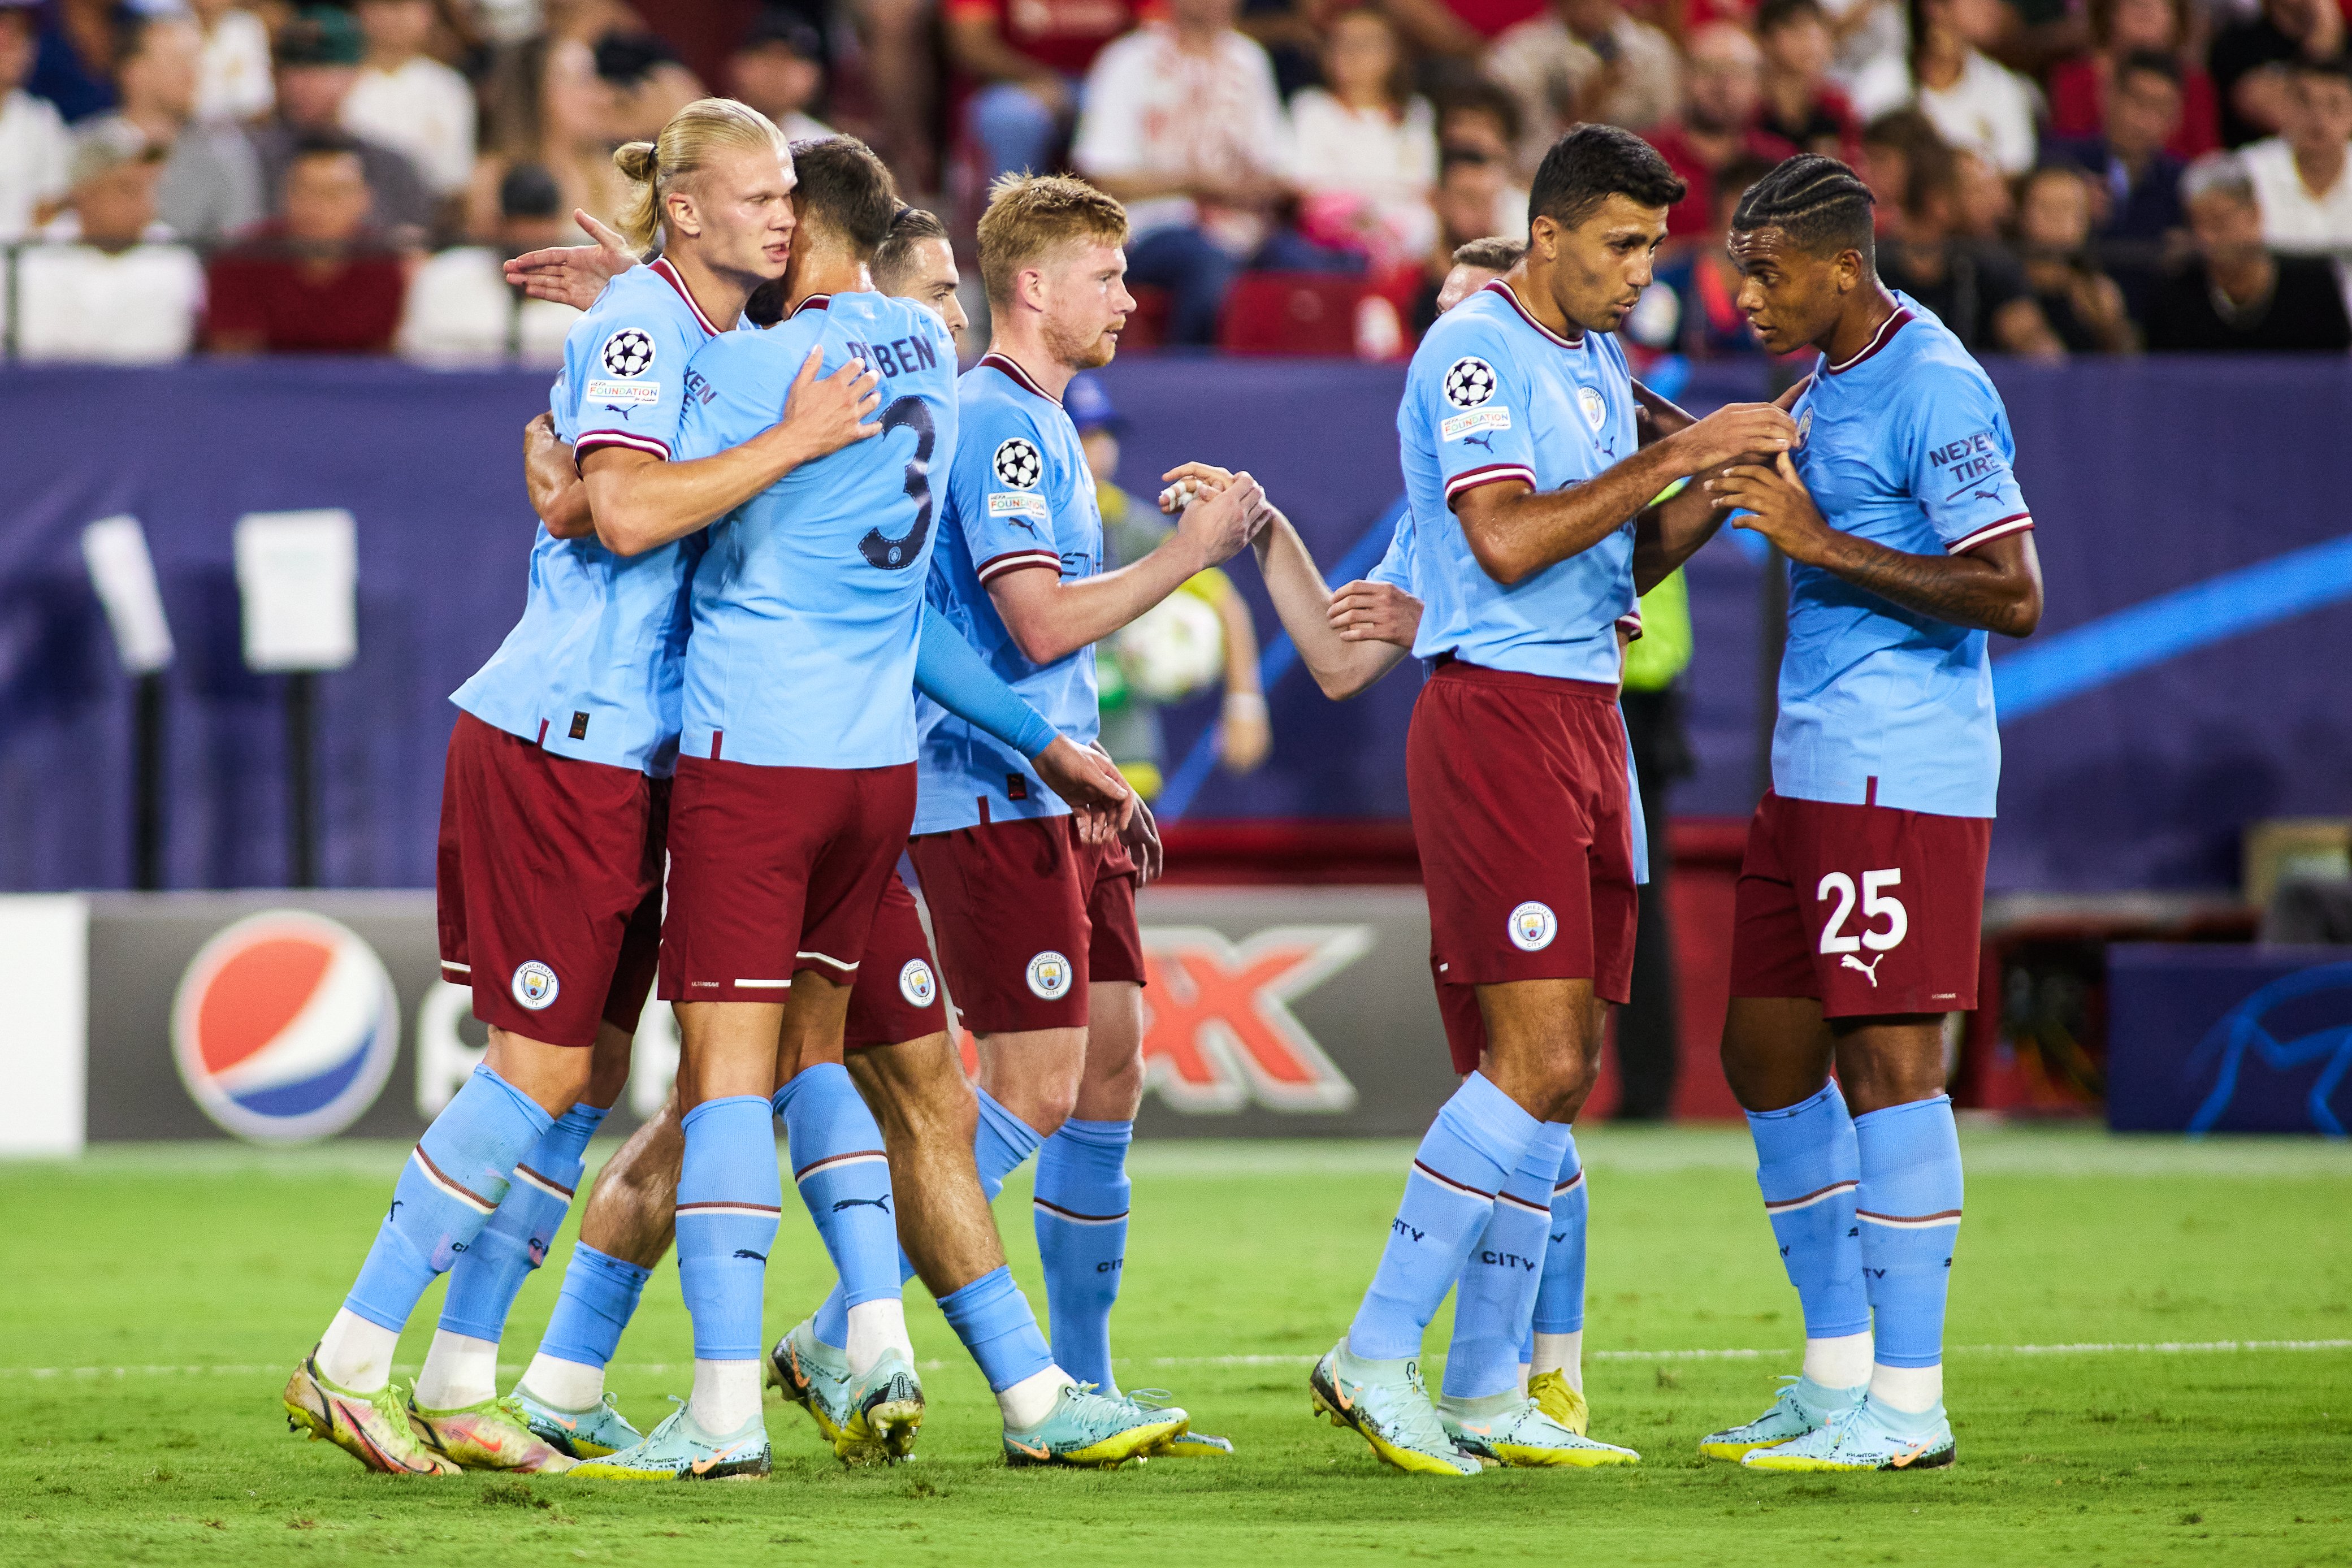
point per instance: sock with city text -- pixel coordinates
(1495, 1302)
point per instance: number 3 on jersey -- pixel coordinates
(1875, 902)
(879, 548)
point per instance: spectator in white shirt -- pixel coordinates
(779, 70)
(233, 75)
(409, 101)
(35, 152)
(461, 310)
(1586, 59)
(1368, 146)
(114, 293)
(1973, 102)
(2303, 179)
(1183, 124)
(212, 181)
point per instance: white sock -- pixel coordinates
(459, 1370)
(1031, 1400)
(1913, 1390)
(356, 1354)
(876, 1327)
(1840, 1363)
(565, 1385)
(1562, 1354)
(726, 1395)
(1524, 1371)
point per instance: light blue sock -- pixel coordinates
(600, 1297)
(844, 1177)
(993, 1321)
(1495, 1302)
(1806, 1165)
(490, 1275)
(1080, 1214)
(1478, 1139)
(730, 1197)
(1000, 1143)
(454, 1180)
(1560, 1303)
(1909, 1207)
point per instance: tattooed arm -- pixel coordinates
(1996, 586)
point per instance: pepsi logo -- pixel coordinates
(285, 1026)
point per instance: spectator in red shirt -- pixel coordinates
(1800, 107)
(1722, 86)
(2079, 87)
(1027, 58)
(317, 279)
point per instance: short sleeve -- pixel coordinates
(728, 395)
(631, 384)
(1395, 564)
(1472, 399)
(1001, 478)
(1962, 457)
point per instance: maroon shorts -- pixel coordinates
(549, 885)
(1027, 918)
(1522, 815)
(897, 998)
(774, 870)
(1866, 908)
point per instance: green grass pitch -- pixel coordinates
(155, 1298)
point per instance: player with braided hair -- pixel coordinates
(1863, 888)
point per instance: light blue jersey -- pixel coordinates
(808, 604)
(1905, 445)
(591, 671)
(1493, 394)
(1020, 497)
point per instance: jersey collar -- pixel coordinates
(1003, 366)
(1497, 286)
(668, 274)
(814, 302)
(1878, 340)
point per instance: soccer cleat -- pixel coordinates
(1802, 1407)
(1186, 1445)
(1526, 1437)
(495, 1434)
(372, 1428)
(815, 1376)
(679, 1450)
(1395, 1418)
(1092, 1430)
(1563, 1404)
(1862, 1437)
(884, 1414)
(589, 1433)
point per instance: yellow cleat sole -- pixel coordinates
(1802, 1464)
(1520, 1458)
(1734, 1452)
(1404, 1459)
(882, 1435)
(1136, 1443)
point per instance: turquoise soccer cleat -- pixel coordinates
(1526, 1437)
(1095, 1430)
(1391, 1413)
(815, 1376)
(1186, 1445)
(679, 1450)
(884, 1414)
(1802, 1407)
(589, 1433)
(1866, 1438)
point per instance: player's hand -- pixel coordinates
(1142, 839)
(1220, 525)
(1245, 731)
(1366, 611)
(1734, 431)
(572, 275)
(1091, 782)
(823, 415)
(1778, 506)
(1188, 482)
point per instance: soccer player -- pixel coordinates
(916, 261)
(1037, 928)
(552, 816)
(1528, 484)
(1861, 891)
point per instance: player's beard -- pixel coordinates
(1081, 353)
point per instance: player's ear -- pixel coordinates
(1543, 236)
(679, 216)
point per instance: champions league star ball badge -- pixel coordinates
(1017, 464)
(1049, 976)
(285, 1026)
(627, 353)
(534, 984)
(915, 984)
(1533, 925)
(1469, 382)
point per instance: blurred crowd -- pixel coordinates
(2053, 177)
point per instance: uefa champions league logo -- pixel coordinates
(2245, 1038)
(1017, 464)
(1469, 382)
(628, 353)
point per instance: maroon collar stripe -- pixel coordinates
(1496, 285)
(1004, 365)
(668, 275)
(814, 302)
(1878, 340)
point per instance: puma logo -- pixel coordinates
(882, 1203)
(1869, 970)
(754, 1257)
